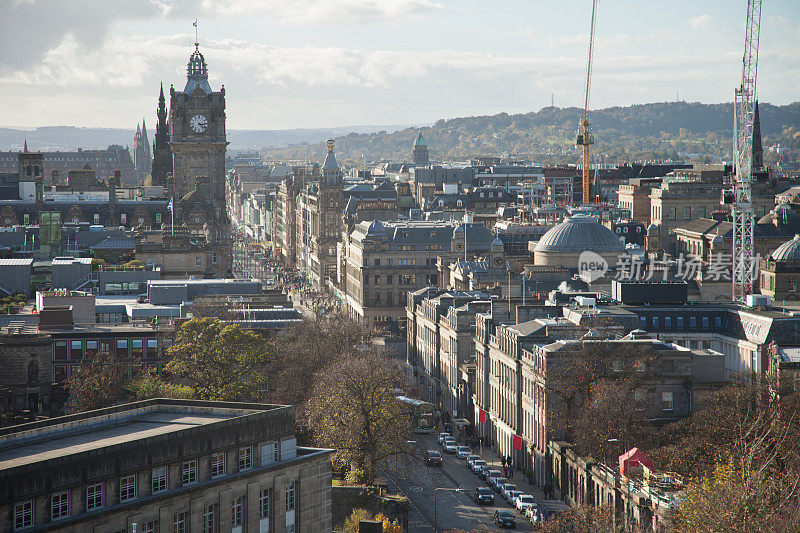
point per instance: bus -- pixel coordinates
(422, 417)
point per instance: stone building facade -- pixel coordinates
(380, 263)
(165, 465)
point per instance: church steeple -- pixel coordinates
(162, 154)
(25, 149)
(758, 149)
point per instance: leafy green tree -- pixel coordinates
(220, 362)
(149, 385)
(354, 410)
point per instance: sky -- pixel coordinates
(323, 63)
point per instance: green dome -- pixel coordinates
(420, 140)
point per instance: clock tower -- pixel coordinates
(197, 139)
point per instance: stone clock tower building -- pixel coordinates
(197, 141)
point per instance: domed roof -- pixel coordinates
(197, 73)
(788, 251)
(330, 159)
(782, 214)
(579, 234)
(376, 228)
(420, 140)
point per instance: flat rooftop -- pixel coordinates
(62, 437)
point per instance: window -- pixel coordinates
(159, 476)
(61, 349)
(673, 213)
(218, 464)
(23, 514)
(179, 523)
(158, 218)
(263, 503)
(149, 527)
(702, 213)
(290, 495)
(91, 348)
(655, 322)
(377, 262)
(377, 280)
(717, 322)
(213, 258)
(198, 261)
(705, 321)
(208, 519)
(687, 212)
(692, 321)
(791, 283)
(236, 511)
(59, 505)
(122, 345)
(123, 218)
(680, 322)
(127, 488)
(666, 401)
(94, 496)
(616, 365)
(667, 322)
(189, 472)
(643, 321)
(245, 458)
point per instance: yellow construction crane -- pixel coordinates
(585, 137)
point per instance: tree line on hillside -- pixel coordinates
(676, 130)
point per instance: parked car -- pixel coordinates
(523, 502)
(491, 479)
(462, 452)
(433, 458)
(506, 489)
(447, 440)
(511, 496)
(484, 495)
(505, 518)
(490, 474)
(443, 436)
(477, 465)
(450, 446)
(471, 459)
(497, 484)
(485, 469)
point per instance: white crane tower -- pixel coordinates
(744, 267)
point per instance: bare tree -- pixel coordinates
(354, 410)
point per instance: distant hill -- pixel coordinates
(677, 130)
(64, 138)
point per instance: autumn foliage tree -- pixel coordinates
(219, 361)
(353, 409)
(99, 382)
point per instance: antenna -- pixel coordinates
(196, 42)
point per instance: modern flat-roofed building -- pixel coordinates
(165, 465)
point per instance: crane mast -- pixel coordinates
(585, 137)
(744, 267)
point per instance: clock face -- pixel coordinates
(498, 261)
(198, 123)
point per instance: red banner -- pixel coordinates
(481, 415)
(517, 442)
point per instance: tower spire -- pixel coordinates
(25, 149)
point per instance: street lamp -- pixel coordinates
(457, 489)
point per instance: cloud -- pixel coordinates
(700, 22)
(29, 29)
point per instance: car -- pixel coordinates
(443, 436)
(448, 439)
(433, 458)
(497, 482)
(484, 495)
(470, 459)
(477, 465)
(484, 470)
(506, 489)
(462, 452)
(523, 502)
(450, 447)
(511, 496)
(504, 518)
(500, 485)
(492, 476)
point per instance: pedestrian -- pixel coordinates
(503, 461)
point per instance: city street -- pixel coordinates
(453, 509)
